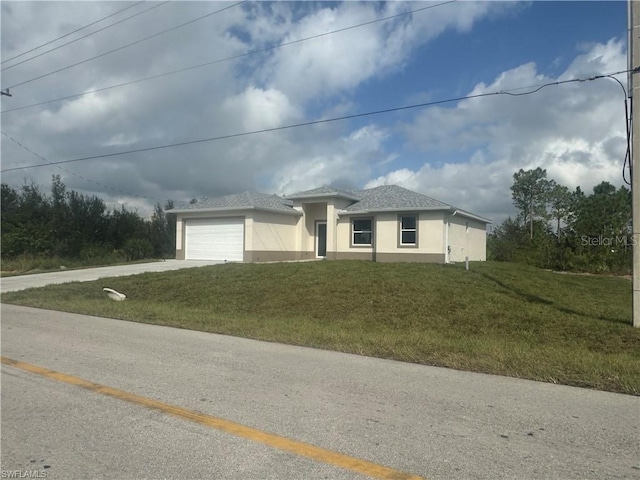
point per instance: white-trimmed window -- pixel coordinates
(361, 231)
(408, 230)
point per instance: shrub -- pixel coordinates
(137, 249)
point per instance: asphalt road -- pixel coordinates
(22, 282)
(432, 422)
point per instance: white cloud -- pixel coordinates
(257, 109)
(344, 161)
(82, 113)
(120, 140)
(575, 131)
(332, 64)
(467, 153)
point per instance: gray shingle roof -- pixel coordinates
(378, 199)
(392, 197)
(324, 191)
(242, 200)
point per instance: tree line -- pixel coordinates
(555, 228)
(560, 229)
(69, 224)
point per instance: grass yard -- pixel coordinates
(498, 318)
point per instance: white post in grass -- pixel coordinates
(466, 263)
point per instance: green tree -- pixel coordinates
(70, 224)
(124, 225)
(162, 231)
(605, 212)
(10, 202)
(560, 204)
(60, 217)
(171, 228)
(530, 193)
(602, 225)
(88, 225)
(32, 220)
(507, 241)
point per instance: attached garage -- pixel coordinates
(214, 239)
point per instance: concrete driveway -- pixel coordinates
(22, 282)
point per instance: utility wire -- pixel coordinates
(71, 33)
(127, 45)
(317, 122)
(84, 36)
(250, 52)
(628, 161)
(117, 190)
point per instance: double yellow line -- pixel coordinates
(276, 441)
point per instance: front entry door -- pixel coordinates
(321, 239)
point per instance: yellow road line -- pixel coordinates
(276, 441)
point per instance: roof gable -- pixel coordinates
(323, 191)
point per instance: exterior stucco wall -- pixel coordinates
(430, 228)
(343, 232)
(318, 210)
(430, 246)
(467, 238)
(180, 254)
(313, 212)
(271, 232)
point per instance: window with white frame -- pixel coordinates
(362, 231)
(408, 230)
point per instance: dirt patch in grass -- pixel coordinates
(588, 274)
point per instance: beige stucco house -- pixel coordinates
(384, 224)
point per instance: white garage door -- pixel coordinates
(215, 239)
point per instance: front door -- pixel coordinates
(321, 239)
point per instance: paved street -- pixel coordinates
(22, 282)
(432, 422)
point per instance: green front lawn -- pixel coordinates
(499, 318)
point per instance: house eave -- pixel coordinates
(387, 210)
(453, 211)
(234, 210)
(470, 215)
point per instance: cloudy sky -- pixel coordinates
(365, 57)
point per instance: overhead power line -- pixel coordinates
(628, 161)
(213, 62)
(71, 33)
(127, 45)
(116, 190)
(535, 88)
(85, 36)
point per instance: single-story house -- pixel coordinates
(385, 224)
